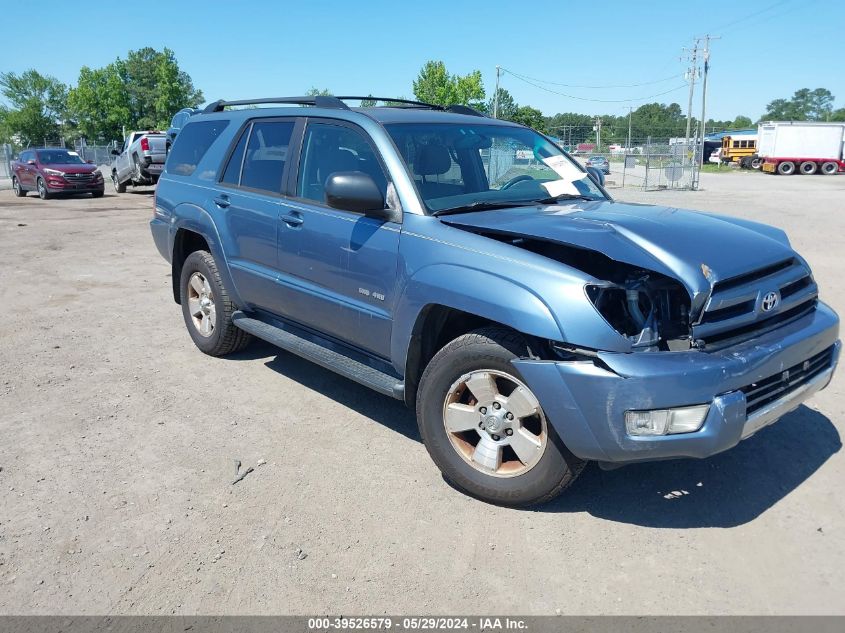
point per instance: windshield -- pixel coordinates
(462, 165)
(59, 157)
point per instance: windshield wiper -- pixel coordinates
(482, 205)
(566, 196)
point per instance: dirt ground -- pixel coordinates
(118, 442)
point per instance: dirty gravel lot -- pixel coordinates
(117, 441)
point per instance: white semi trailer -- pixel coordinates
(803, 147)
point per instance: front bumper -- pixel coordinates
(60, 185)
(586, 401)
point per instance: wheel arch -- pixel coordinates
(429, 315)
(194, 230)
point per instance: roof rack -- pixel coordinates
(457, 109)
(337, 103)
(319, 101)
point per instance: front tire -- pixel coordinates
(483, 426)
(43, 192)
(119, 187)
(20, 192)
(207, 307)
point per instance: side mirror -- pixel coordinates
(90, 162)
(115, 152)
(356, 191)
(596, 175)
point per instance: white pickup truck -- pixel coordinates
(140, 161)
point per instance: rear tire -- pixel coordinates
(511, 455)
(786, 168)
(829, 168)
(808, 168)
(207, 307)
(20, 192)
(756, 162)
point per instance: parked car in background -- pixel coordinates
(177, 123)
(715, 156)
(532, 321)
(600, 163)
(140, 161)
(51, 171)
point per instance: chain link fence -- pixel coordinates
(649, 164)
(5, 161)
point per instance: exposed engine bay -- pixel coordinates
(648, 308)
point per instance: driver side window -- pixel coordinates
(329, 149)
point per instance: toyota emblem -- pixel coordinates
(770, 301)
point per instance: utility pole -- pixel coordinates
(707, 39)
(691, 73)
(496, 94)
(628, 143)
(598, 134)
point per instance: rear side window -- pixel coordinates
(191, 145)
(266, 155)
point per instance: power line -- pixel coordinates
(752, 15)
(562, 94)
(555, 83)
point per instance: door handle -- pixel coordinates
(294, 219)
(222, 201)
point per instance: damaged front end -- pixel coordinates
(649, 309)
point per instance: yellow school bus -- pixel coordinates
(735, 148)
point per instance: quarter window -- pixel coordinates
(191, 145)
(266, 155)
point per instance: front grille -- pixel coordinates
(734, 310)
(759, 394)
(80, 178)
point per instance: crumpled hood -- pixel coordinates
(697, 249)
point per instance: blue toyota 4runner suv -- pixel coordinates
(471, 268)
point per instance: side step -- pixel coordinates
(316, 353)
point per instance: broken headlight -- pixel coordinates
(650, 310)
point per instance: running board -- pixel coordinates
(316, 353)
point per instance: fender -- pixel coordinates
(469, 290)
(194, 218)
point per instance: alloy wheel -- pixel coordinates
(495, 423)
(201, 304)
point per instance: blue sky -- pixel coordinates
(249, 49)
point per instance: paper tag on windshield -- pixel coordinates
(556, 161)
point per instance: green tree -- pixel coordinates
(100, 103)
(532, 117)
(141, 92)
(805, 105)
(507, 107)
(317, 92)
(38, 107)
(741, 122)
(838, 115)
(435, 85)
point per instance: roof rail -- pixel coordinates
(318, 101)
(337, 103)
(457, 109)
